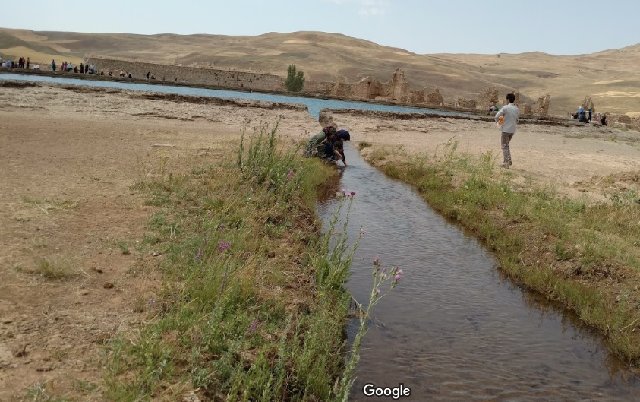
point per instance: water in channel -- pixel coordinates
(314, 105)
(454, 329)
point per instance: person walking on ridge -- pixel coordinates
(507, 119)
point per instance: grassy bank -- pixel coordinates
(583, 255)
(253, 305)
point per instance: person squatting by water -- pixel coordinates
(328, 144)
(508, 115)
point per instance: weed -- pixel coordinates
(124, 247)
(230, 321)
(55, 269)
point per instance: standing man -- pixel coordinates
(509, 114)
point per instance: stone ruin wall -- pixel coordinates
(542, 106)
(191, 75)
(395, 90)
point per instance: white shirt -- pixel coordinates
(510, 113)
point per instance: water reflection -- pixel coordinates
(456, 328)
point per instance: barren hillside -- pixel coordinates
(610, 77)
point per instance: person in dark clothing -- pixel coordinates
(28, 62)
(343, 135)
(603, 120)
(148, 74)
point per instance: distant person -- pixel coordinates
(603, 119)
(509, 114)
(53, 66)
(148, 74)
(129, 76)
(81, 68)
(589, 117)
(75, 69)
(582, 115)
(28, 63)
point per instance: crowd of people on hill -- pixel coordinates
(24, 63)
(67, 67)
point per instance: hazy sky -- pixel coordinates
(421, 26)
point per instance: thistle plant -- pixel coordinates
(384, 279)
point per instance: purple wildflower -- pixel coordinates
(253, 326)
(223, 246)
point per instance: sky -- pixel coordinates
(427, 26)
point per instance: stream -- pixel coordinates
(454, 329)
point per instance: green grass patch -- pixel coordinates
(253, 306)
(584, 256)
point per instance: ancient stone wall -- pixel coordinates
(399, 90)
(191, 75)
(417, 96)
(435, 98)
(488, 97)
(587, 104)
(542, 105)
(466, 103)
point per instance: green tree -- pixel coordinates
(295, 80)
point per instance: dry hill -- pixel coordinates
(610, 77)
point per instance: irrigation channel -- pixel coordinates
(454, 329)
(314, 105)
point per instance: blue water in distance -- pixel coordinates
(314, 105)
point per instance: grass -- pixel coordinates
(253, 306)
(41, 392)
(582, 255)
(124, 247)
(55, 269)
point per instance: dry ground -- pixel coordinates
(69, 157)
